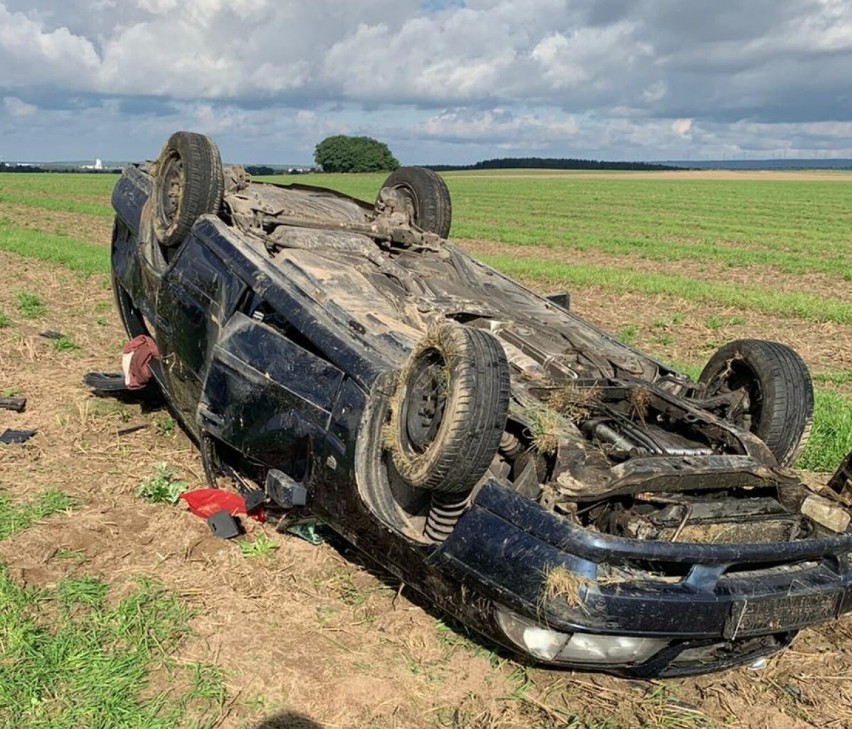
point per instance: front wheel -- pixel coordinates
(771, 393)
(449, 410)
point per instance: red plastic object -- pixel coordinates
(206, 502)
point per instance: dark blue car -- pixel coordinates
(555, 490)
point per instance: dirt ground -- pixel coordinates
(315, 630)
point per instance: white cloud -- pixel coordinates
(501, 127)
(651, 78)
(15, 107)
(682, 127)
(30, 54)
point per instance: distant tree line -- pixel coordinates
(64, 170)
(552, 163)
(20, 168)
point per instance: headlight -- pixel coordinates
(605, 649)
(552, 645)
(535, 639)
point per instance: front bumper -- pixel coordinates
(715, 605)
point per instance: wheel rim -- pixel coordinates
(412, 203)
(422, 409)
(171, 188)
(740, 379)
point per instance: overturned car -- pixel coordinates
(566, 496)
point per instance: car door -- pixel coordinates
(194, 296)
(268, 394)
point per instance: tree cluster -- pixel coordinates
(342, 153)
(259, 170)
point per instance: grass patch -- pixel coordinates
(15, 518)
(76, 556)
(63, 344)
(262, 546)
(70, 659)
(5, 321)
(58, 204)
(163, 486)
(70, 186)
(628, 334)
(834, 378)
(76, 255)
(831, 436)
(166, 425)
(30, 306)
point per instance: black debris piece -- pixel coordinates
(253, 500)
(105, 381)
(131, 429)
(18, 404)
(113, 385)
(285, 491)
(841, 481)
(50, 334)
(223, 525)
(16, 436)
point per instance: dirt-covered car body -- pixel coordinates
(626, 519)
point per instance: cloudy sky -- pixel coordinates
(438, 80)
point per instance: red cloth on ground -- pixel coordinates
(206, 502)
(135, 361)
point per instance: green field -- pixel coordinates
(674, 267)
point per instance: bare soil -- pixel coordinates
(314, 630)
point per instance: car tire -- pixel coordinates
(779, 392)
(427, 197)
(130, 318)
(189, 183)
(449, 410)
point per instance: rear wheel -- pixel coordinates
(425, 194)
(189, 183)
(772, 394)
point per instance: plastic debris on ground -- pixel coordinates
(10, 436)
(18, 404)
(307, 530)
(205, 503)
(223, 525)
